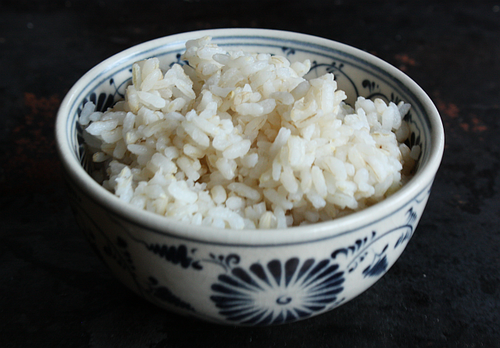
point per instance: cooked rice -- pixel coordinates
(238, 140)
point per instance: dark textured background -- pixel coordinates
(443, 291)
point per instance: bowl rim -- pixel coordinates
(421, 182)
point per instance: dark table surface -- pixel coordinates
(442, 292)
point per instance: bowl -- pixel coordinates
(250, 277)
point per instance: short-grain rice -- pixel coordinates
(239, 140)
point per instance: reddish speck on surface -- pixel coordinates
(478, 126)
(31, 159)
(448, 109)
(452, 117)
(405, 61)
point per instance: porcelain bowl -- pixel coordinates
(250, 277)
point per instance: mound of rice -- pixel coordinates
(238, 140)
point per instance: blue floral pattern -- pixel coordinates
(277, 292)
(285, 291)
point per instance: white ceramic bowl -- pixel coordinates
(252, 277)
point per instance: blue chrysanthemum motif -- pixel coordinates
(277, 292)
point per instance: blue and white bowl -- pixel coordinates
(257, 277)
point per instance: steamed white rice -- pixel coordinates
(238, 140)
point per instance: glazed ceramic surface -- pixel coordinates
(252, 277)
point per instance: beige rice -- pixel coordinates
(238, 140)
